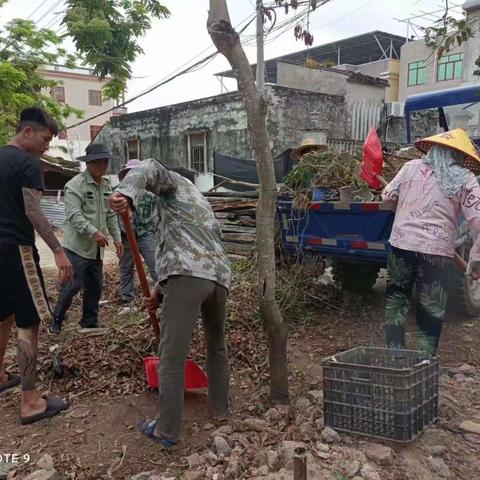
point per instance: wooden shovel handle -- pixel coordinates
(140, 272)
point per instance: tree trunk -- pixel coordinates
(228, 43)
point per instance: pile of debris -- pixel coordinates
(236, 212)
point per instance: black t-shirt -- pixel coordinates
(18, 169)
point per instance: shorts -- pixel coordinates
(22, 289)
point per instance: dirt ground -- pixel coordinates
(104, 382)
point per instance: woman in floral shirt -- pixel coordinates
(430, 195)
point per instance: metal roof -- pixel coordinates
(442, 98)
(364, 48)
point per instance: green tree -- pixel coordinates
(447, 33)
(24, 49)
(106, 33)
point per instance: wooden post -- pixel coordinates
(300, 464)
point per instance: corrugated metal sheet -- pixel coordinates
(54, 210)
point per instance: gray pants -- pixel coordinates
(146, 246)
(184, 299)
(88, 275)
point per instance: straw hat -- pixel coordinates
(307, 145)
(457, 140)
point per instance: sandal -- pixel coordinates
(147, 427)
(12, 381)
(55, 405)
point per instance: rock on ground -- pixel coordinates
(195, 460)
(303, 404)
(45, 462)
(438, 466)
(330, 436)
(193, 475)
(221, 446)
(5, 468)
(380, 454)
(44, 475)
(368, 472)
(273, 460)
(315, 396)
(470, 427)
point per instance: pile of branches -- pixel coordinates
(394, 161)
(326, 169)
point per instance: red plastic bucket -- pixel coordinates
(195, 377)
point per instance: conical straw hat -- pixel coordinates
(307, 145)
(458, 140)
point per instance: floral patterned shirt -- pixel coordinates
(426, 221)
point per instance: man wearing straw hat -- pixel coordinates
(311, 142)
(430, 196)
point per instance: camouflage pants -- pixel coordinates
(430, 275)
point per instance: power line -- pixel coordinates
(37, 9)
(51, 9)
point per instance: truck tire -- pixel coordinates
(356, 277)
(464, 294)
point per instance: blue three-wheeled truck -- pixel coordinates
(354, 235)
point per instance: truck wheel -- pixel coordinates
(355, 277)
(464, 294)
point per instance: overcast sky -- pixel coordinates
(183, 37)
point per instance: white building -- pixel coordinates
(79, 88)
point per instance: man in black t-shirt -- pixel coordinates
(23, 298)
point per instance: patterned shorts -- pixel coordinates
(22, 289)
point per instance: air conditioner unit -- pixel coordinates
(394, 109)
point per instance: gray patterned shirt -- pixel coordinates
(189, 236)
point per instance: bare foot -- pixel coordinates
(34, 407)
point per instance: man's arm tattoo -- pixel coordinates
(31, 199)
(27, 364)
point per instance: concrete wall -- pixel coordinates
(162, 132)
(77, 83)
(326, 81)
(387, 69)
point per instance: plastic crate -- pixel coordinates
(382, 393)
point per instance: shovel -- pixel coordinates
(141, 273)
(371, 173)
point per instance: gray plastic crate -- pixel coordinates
(382, 393)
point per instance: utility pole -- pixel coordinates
(260, 49)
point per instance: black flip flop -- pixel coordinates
(13, 381)
(147, 427)
(55, 405)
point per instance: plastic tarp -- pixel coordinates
(246, 170)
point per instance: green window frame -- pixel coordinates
(416, 73)
(450, 67)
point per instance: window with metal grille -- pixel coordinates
(58, 93)
(94, 129)
(133, 149)
(450, 67)
(416, 73)
(197, 151)
(95, 97)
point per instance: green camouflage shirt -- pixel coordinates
(144, 218)
(189, 236)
